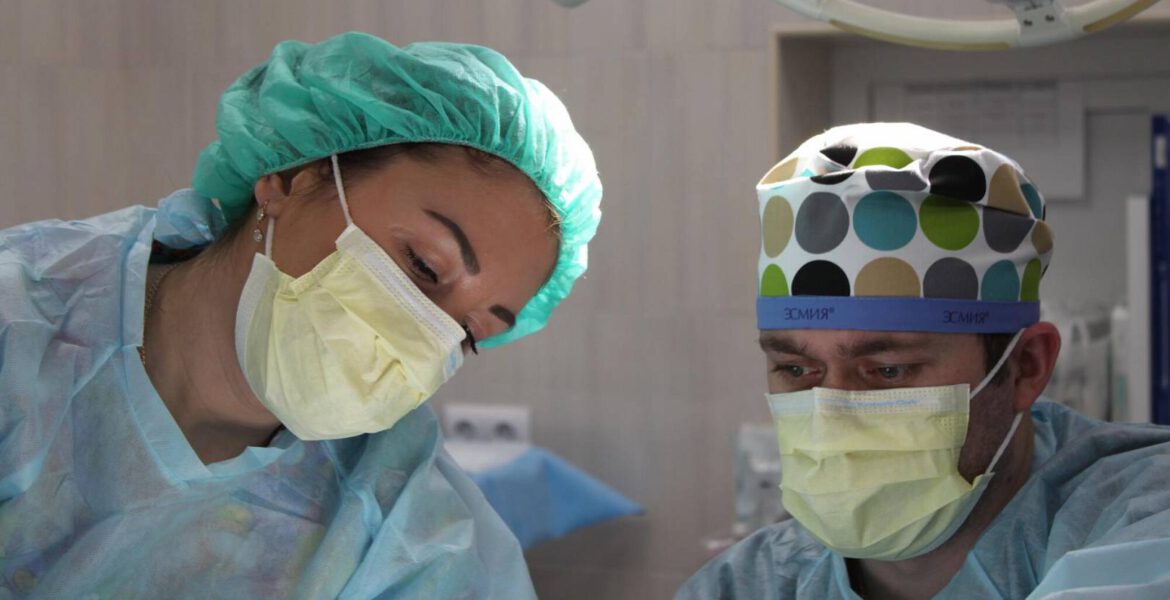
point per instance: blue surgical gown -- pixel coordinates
(102, 497)
(1092, 521)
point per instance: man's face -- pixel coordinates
(800, 359)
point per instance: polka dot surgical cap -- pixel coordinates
(894, 227)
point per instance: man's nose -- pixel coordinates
(840, 378)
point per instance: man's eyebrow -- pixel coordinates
(781, 346)
(469, 259)
(880, 345)
(504, 315)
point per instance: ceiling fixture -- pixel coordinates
(1037, 23)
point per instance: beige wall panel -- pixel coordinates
(35, 144)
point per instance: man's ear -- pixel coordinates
(1033, 360)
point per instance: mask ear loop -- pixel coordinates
(1019, 416)
(1007, 440)
(268, 238)
(340, 189)
(340, 195)
(1002, 359)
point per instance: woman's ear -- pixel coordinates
(274, 191)
(271, 193)
(1033, 360)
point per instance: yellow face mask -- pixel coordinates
(874, 474)
(348, 348)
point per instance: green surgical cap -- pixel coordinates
(356, 91)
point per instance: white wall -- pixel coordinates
(646, 371)
(1122, 76)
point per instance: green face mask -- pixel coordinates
(874, 474)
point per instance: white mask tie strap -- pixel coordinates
(1007, 440)
(998, 365)
(340, 189)
(268, 238)
(340, 195)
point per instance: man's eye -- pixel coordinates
(794, 371)
(890, 372)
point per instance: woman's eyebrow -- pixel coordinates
(469, 259)
(504, 315)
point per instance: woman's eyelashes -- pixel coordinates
(470, 340)
(420, 267)
(423, 271)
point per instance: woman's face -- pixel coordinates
(478, 242)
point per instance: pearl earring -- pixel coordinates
(258, 235)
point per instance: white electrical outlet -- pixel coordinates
(488, 423)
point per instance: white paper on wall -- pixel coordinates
(1040, 124)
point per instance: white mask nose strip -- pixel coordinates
(446, 330)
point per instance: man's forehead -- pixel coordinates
(852, 341)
